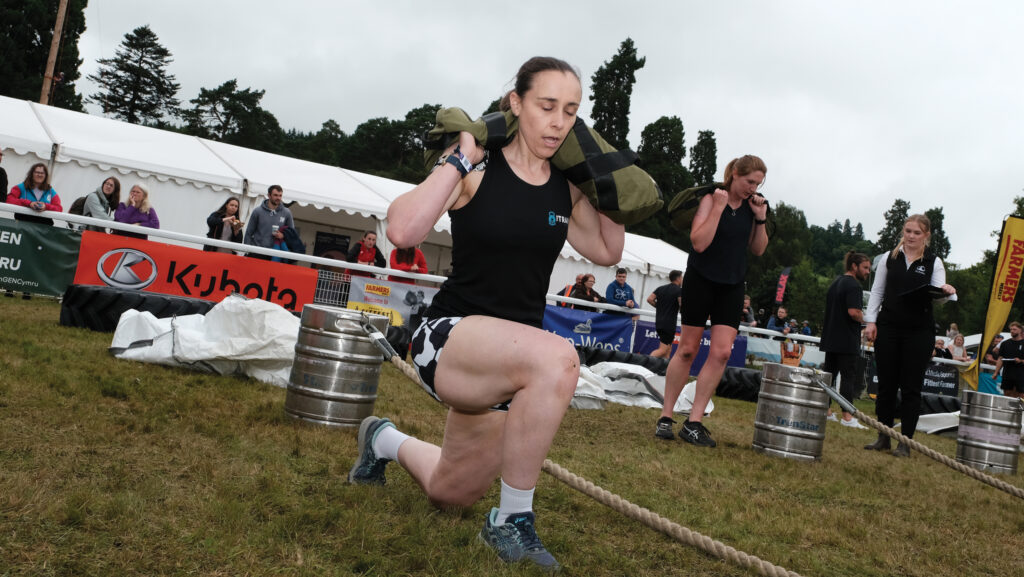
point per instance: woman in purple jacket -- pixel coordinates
(137, 212)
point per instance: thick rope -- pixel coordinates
(645, 516)
(952, 464)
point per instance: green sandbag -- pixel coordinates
(683, 207)
(609, 178)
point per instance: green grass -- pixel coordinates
(111, 467)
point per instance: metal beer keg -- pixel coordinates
(336, 369)
(989, 434)
(790, 420)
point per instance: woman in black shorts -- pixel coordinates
(728, 222)
(481, 349)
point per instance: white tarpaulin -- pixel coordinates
(630, 385)
(238, 336)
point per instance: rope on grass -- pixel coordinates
(955, 465)
(645, 516)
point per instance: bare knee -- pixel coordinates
(446, 495)
(555, 368)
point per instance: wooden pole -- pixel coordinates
(51, 61)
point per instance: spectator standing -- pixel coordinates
(993, 351)
(267, 220)
(806, 329)
(729, 222)
(224, 224)
(666, 300)
(957, 352)
(840, 333)
(584, 290)
(3, 179)
(137, 211)
(366, 252)
(901, 324)
(409, 260)
(747, 318)
(620, 293)
(778, 322)
(1011, 362)
(101, 202)
(568, 290)
(35, 193)
(506, 381)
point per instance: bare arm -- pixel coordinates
(652, 300)
(759, 234)
(412, 215)
(856, 314)
(593, 234)
(705, 222)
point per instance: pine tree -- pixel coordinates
(134, 84)
(939, 242)
(704, 158)
(892, 232)
(611, 88)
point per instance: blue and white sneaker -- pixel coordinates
(368, 469)
(516, 540)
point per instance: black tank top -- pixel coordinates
(504, 245)
(725, 259)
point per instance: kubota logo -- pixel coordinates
(127, 268)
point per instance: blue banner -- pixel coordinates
(645, 341)
(588, 329)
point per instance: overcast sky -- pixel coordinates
(850, 104)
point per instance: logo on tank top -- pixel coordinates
(554, 219)
(920, 269)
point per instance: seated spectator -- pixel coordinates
(940, 351)
(619, 292)
(137, 212)
(957, 352)
(366, 252)
(101, 202)
(409, 260)
(747, 318)
(568, 290)
(35, 193)
(224, 225)
(778, 322)
(585, 292)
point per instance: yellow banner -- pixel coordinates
(1005, 281)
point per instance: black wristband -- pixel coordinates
(760, 221)
(460, 162)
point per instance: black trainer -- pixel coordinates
(664, 429)
(694, 432)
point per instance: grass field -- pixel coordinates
(111, 467)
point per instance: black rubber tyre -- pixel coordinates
(99, 308)
(932, 403)
(739, 383)
(593, 355)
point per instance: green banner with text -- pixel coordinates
(36, 258)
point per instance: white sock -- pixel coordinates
(388, 440)
(514, 501)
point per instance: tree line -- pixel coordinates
(136, 86)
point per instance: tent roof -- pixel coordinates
(127, 147)
(392, 189)
(663, 257)
(307, 183)
(21, 129)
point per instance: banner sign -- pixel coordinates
(401, 302)
(36, 258)
(587, 329)
(1005, 284)
(941, 379)
(129, 263)
(780, 288)
(738, 357)
(645, 340)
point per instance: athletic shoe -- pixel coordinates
(694, 432)
(853, 423)
(832, 417)
(664, 429)
(516, 540)
(368, 469)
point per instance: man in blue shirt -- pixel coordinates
(620, 293)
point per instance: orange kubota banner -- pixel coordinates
(1005, 282)
(123, 262)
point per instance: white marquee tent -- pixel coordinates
(189, 177)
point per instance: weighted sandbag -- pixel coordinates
(683, 207)
(609, 178)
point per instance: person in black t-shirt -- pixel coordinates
(665, 300)
(1011, 362)
(901, 324)
(840, 334)
(506, 381)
